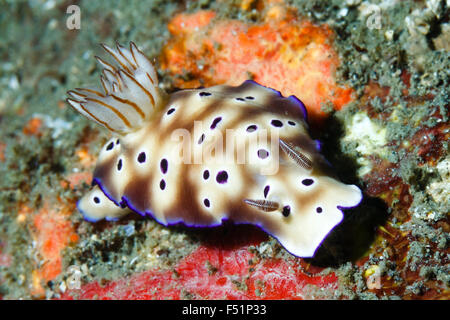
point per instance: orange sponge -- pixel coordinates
(290, 55)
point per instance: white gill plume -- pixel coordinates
(131, 94)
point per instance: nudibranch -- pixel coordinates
(202, 156)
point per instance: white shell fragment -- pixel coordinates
(202, 156)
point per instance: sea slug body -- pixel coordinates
(201, 156)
